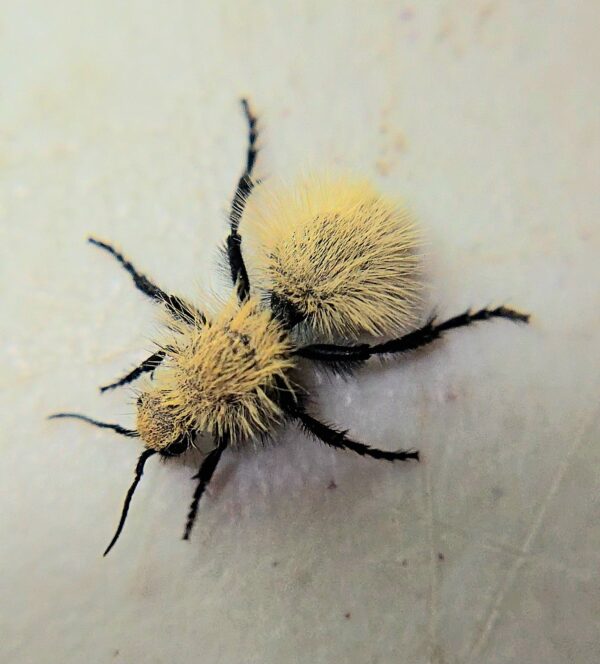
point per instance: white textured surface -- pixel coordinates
(123, 122)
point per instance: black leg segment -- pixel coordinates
(239, 274)
(245, 183)
(174, 304)
(149, 364)
(338, 439)
(204, 475)
(352, 355)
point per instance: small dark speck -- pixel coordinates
(451, 395)
(347, 615)
(275, 563)
(116, 653)
(405, 563)
(441, 556)
(332, 485)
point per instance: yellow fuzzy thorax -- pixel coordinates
(219, 377)
(341, 254)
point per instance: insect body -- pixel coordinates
(233, 374)
(334, 254)
(221, 375)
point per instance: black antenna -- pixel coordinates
(139, 471)
(130, 433)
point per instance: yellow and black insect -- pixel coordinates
(331, 258)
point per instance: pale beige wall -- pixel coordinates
(121, 119)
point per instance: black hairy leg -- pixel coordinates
(204, 475)
(176, 306)
(340, 440)
(149, 364)
(348, 356)
(129, 433)
(245, 183)
(239, 274)
(139, 471)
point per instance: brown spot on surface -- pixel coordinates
(497, 492)
(383, 166)
(445, 31)
(347, 615)
(441, 556)
(332, 485)
(485, 13)
(399, 142)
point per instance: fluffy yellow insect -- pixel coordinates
(332, 256)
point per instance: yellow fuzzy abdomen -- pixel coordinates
(338, 253)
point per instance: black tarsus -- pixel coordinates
(130, 433)
(239, 274)
(204, 475)
(149, 364)
(245, 183)
(139, 471)
(176, 306)
(252, 136)
(142, 282)
(340, 440)
(351, 355)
